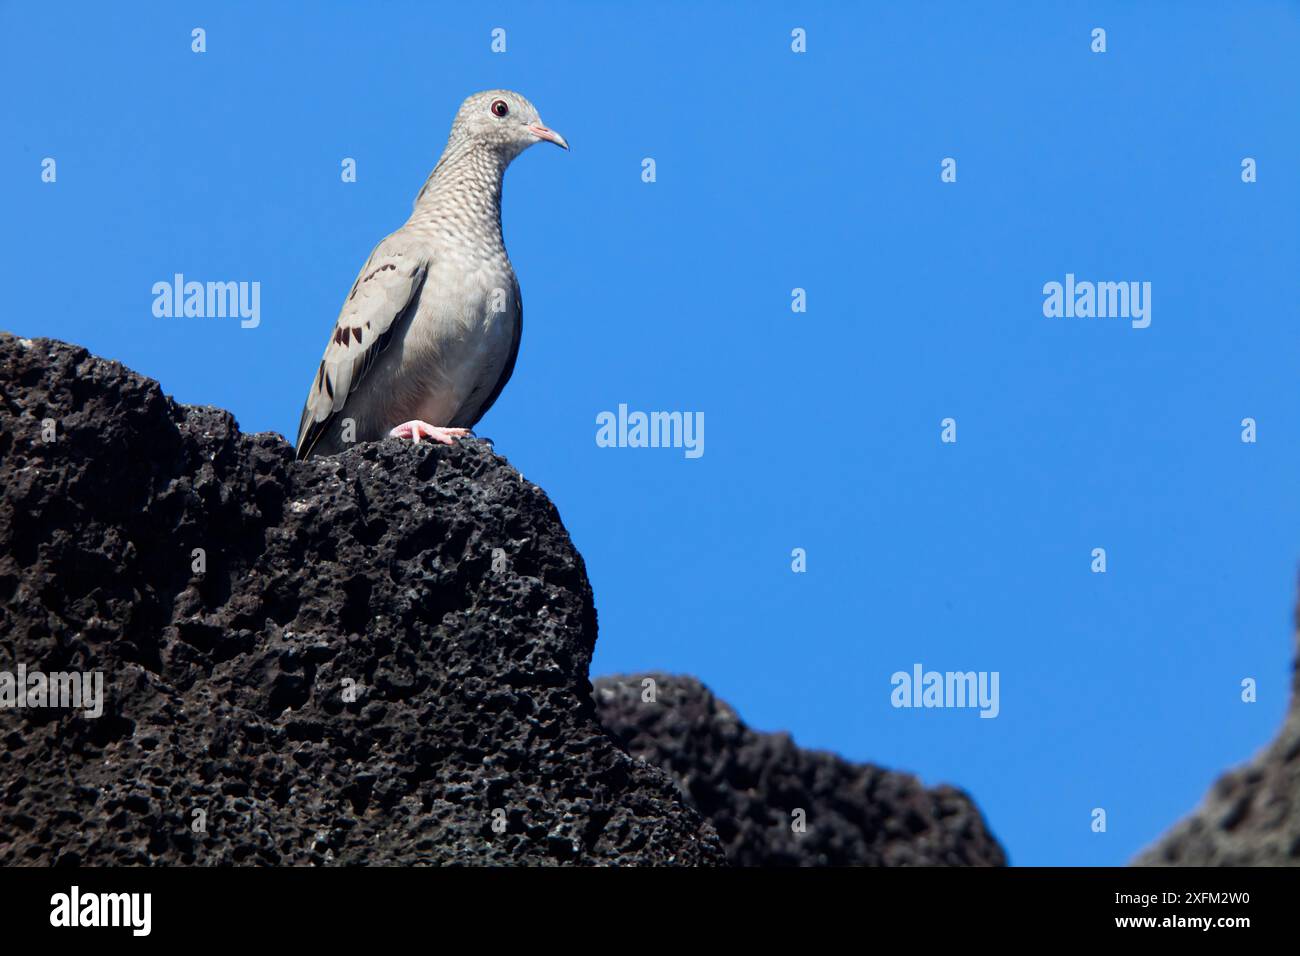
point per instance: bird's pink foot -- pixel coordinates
(417, 429)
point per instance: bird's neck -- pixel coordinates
(462, 195)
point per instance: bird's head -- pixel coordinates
(502, 120)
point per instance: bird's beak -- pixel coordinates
(550, 135)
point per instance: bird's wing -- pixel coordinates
(380, 300)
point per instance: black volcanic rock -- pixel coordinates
(1251, 816)
(750, 784)
(225, 688)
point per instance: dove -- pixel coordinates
(428, 335)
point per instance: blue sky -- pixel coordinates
(778, 170)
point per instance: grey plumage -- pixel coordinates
(430, 329)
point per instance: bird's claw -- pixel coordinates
(415, 430)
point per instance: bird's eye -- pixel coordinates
(499, 108)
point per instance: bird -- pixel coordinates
(429, 333)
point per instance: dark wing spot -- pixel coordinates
(384, 268)
(329, 387)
